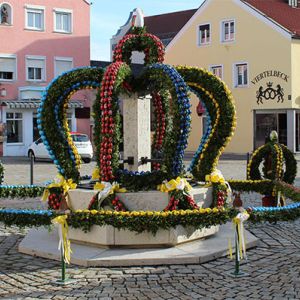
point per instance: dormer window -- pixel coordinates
(6, 14)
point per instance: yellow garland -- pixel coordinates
(174, 184)
(214, 210)
(251, 160)
(64, 243)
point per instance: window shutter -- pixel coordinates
(35, 63)
(62, 66)
(7, 64)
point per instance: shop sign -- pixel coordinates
(271, 91)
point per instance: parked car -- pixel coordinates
(82, 142)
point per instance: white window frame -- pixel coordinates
(222, 31)
(34, 57)
(15, 77)
(15, 119)
(211, 67)
(235, 75)
(63, 11)
(62, 58)
(199, 35)
(36, 9)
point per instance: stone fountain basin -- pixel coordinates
(108, 236)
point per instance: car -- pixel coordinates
(82, 142)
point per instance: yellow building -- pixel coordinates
(254, 46)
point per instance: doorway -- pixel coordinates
(264, 123)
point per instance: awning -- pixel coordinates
(34, 103)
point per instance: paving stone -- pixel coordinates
(273, 268)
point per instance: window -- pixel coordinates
(14, 125)
(204, 34)
(35, 68)
(7, 67)
(62, 64)
(6, 14)
(228, 31)
(35, 17)
(241, 75)
(62, 20)
(217, 71)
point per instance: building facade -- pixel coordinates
(40, 40)
(254, 46)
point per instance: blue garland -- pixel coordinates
(184, 110)
(273, 209)
(26, 212)
(204, 136)
(58, 105)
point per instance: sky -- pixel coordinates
(108, 16)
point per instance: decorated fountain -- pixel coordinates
(146, 199)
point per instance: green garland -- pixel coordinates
(23, 218)
(288, 190)
(275, 216)
(150, 221)
(263, 187)
(21, 192)
(56, 99)
(218, 101)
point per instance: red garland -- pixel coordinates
(107, 120)
(54, 201)
(173, 203)
(220, 198)
(160, 125)
(118, 205)
(118, 52)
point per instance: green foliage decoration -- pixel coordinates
(274, 156)
(219, 103)
(53, 116)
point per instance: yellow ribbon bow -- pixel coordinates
(99, 186)
(64, 243)
(174, 184)
(238, 227)
(96, 174)
(59, 182)
(117, 189)
(215, 177)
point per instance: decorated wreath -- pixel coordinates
(278, 161)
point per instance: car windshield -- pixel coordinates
(80, 138)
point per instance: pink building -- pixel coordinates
(40, 39)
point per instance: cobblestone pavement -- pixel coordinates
(273, 269)
(273, 266)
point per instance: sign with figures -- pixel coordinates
(270, 93)
(270, 90)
